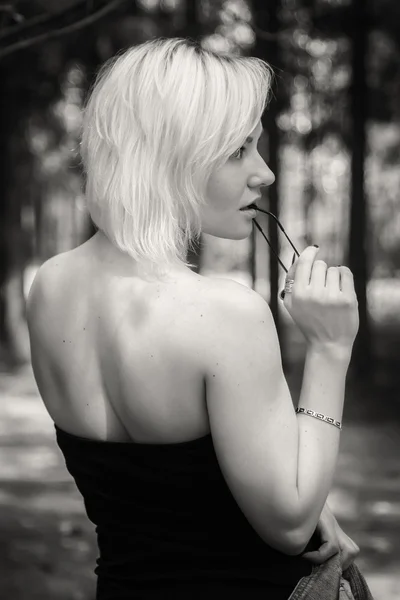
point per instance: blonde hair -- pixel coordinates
(160, 118)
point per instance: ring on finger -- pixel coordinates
(289, 285)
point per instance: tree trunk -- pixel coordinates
(13, 333)
(5, 176)
(267, 20)
(358, 246)
(15, 318)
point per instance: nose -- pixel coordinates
(269, 177)
(264, 176)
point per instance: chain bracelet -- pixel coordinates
(320, 416)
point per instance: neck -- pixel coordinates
(109, 254)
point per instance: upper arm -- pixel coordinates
(252, 420)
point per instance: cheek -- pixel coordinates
(224, 191)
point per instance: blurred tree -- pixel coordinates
(31, 85)
(20, 97)
(291, 34)
(340, 110)
(268, 48)
(359, 224)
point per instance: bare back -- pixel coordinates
(117, 358)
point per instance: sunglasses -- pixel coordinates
(281, 228)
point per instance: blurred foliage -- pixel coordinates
(54, 50)
(52, 80)
(42, 205)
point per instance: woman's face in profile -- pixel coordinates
(233, 186)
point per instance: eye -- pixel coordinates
(242, 149)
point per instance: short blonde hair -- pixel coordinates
(160, 118)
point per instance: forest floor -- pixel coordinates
(48, 548)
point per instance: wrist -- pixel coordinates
(332, 352)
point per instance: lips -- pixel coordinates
(253, 205)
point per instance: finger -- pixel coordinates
(300, 271)
(348, 554)
(318, 274)
(346, 565)
(315, 557)
(333, 279)
(347, 280)
(347, 560)
(324, 552)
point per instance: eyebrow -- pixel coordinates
(250, 139)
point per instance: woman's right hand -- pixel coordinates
(323, 302)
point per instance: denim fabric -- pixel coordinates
(358, 585)
(327, 582)
(345, 592)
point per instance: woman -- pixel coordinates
(166, 387)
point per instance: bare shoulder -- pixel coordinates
(242, 327)
(239, 322)
(233, 300)
(45, 274)
(46, 284)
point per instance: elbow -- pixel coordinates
(298, 536)
(294, 543)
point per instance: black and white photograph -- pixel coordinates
(200, 299)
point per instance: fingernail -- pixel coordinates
(282, 295)
(294, 257)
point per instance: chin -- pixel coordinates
(230, 230)
(231, 235)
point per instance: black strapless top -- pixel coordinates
(168, 526)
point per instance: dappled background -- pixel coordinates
(332, 138)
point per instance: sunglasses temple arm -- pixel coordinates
(280, 227)
(266, 239)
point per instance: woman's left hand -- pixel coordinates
(333, 540)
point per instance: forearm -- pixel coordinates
(323, 391)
